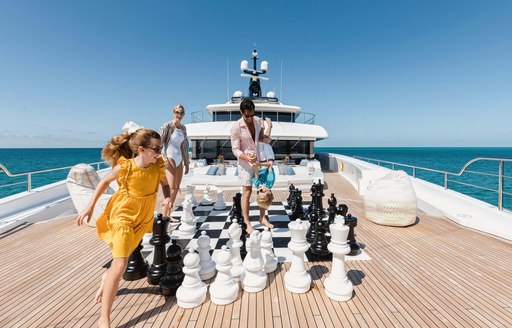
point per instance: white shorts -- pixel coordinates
(245, 176)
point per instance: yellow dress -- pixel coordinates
(129, 213)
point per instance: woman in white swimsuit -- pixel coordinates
(175, 150)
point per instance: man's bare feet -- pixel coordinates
(266, 223)
(99, 293)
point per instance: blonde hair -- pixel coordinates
(265, 199)
(127, 144)
(178, 106)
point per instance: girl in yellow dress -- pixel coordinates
(139, 169)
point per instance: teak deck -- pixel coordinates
(434, 273)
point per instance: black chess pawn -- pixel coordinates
(137, 267)
(243, 239)
(237, 208)
(342, 209)
(351, 221)
(313, 193)
(319, 245)
(159, 239)
(291, 188)
(319, 194)
(298, 210)
(311, 234)
(174, 274)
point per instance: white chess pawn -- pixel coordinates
(297, 280)
(207, 199)
(192, 291)
(220, 204)
(253, 278)
(269, 259)
(224, 290)
(188, 220)
(234, 243)
(337, 285)
(207, 264)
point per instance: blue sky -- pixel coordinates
(375, 73)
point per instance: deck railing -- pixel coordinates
(29, 174)
(500, 176)
(300, 117)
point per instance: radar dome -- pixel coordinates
(238, 93)
(244, 65)
(264, 65)
(271, 94)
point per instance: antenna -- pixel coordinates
(281, 96)
(227, 76)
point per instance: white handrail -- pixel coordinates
(29, 174)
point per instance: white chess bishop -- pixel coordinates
(188, 220)
(253, 279)
(220, 204)
(297, 280)
(269, 258)
(207, 199)
(192, 291)
(337, 285)
(234, 243)
(207, 264)
(224, 290)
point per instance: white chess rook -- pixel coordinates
(297, 280)
(207, 199)
(234, 243)
(224, 290)
(269, 258)
(220, 204)
(337, 285)
(253, 278)
(207, 264)
(192, 291)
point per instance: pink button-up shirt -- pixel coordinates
(242, 141)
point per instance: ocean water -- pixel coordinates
(445, 159)
(19, 160)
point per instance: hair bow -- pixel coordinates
(131, 127)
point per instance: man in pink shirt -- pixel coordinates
(245, 134)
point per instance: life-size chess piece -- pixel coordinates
(351, 221)
(190, 196)
(137, 267)
(291, 188)
(207, 264)
(297, 280)
(160, 238)
(220, 204)
(174, 275)
(298, 210)
(224, 290)
(253, 279)
(267, 252)
(234, 243)
(192, 291)
(188, 220)
(313, 219)
(236, 209)
(319, 245)
(342, 209)
(337, 285)
(332, 211)
(207, 199)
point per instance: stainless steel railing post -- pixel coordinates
(446, 181)
(500, 185)
(29, 182)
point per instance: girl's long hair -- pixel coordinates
(126, 144)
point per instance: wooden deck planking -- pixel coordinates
(434, 273)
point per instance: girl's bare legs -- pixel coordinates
(110, 286)
(246, 197)
(264, 220)
(174, 175)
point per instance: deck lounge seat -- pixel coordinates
(391, 200)
(81, 182)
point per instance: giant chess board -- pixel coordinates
(215, 223)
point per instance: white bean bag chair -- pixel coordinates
(81, 182)
(391, 200)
